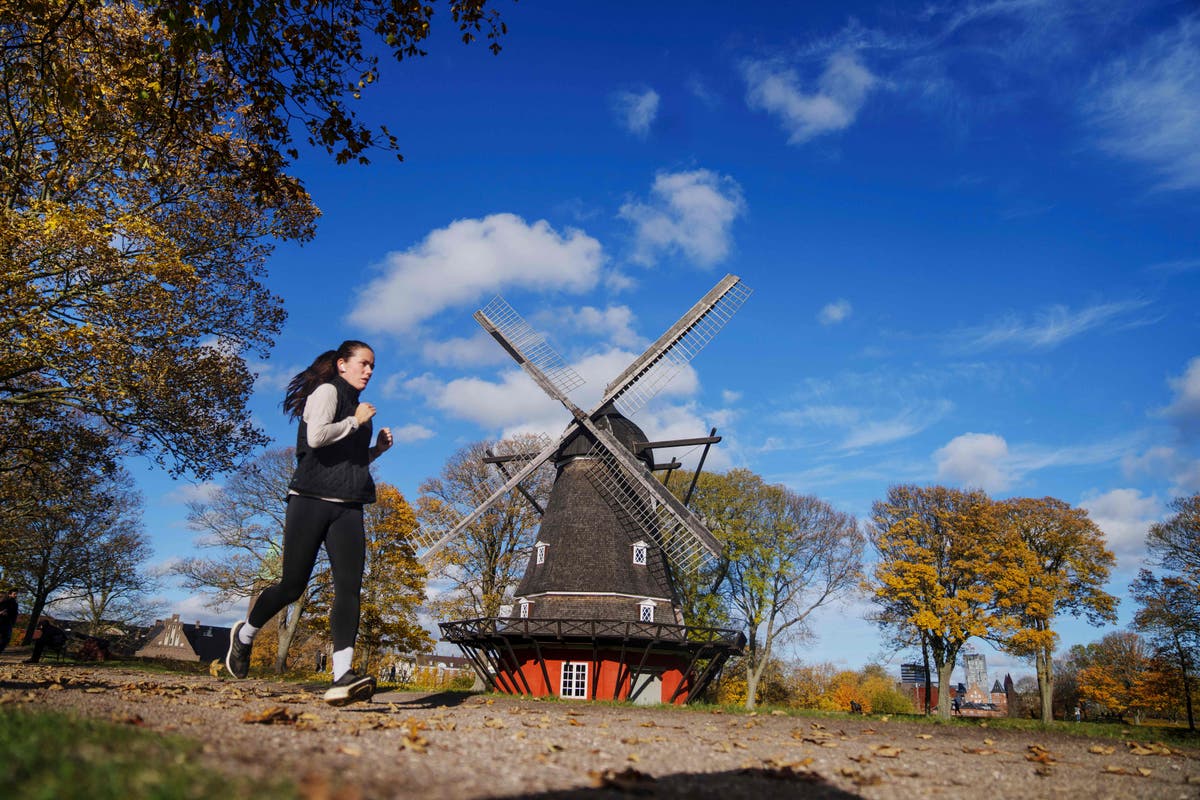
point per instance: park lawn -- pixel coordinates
(53, 756)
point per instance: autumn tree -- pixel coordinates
(725, 502)
(788, 555)
(1110, 671)
(69, 530)
(393, 581)
(242, 522)
(144, 157)
(481, 566)
(939, 572)
(1058, 563)
(1169, 615)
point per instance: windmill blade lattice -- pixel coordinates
(684, 550)
(530, 345)
(643, 379)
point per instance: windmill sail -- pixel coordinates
(525, 344)
(647, 375)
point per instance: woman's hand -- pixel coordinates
(383, 441)
(364, 412)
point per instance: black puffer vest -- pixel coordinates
(338, 471)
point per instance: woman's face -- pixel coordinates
(357, 369)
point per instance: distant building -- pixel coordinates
(975, 665)
(171, 638)
(913, 675)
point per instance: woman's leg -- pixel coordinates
(304, 528)
(345, 542)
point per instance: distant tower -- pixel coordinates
(976, 666)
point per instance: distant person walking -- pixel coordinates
(8, 617)
(330, 485)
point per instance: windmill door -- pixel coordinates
(646, 689)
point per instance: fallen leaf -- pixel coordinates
(928, 736)
(1039, 754)
(886, 751)
(494, 722)
(349, 750)
(1101, 750)
(214, 668)
(270, 716)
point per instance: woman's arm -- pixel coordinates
(319, 409)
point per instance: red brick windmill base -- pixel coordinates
(594, 659)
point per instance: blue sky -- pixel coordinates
(971, 230)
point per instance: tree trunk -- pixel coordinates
(35, 612)
(1045, 676)
(1185, 674)
(287, 631)
(925, 657)
(753, 673)
(945, 671)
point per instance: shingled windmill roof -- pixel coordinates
(588, 542)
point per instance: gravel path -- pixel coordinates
(454, 747)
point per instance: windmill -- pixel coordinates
(597, 615)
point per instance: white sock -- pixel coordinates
(246, 633)
(341, 661)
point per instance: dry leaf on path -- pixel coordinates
(270, 716)
(1102, 750)
(886, 751)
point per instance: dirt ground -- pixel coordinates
(458, 747)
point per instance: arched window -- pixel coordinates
(539, 551)
(523, 609)
(639, 553)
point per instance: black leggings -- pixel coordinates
(310, 522)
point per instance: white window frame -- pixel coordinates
(574, 680)
(523, 609)
(640, 548)
(646, 611)
(539, 553)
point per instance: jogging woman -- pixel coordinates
(331, 484)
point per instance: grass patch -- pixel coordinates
(52, 756)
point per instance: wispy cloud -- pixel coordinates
(636, 111)
(855, 428)
(835, 312)
(470, 259)
(832, 105)
(690, 213)
(1143, 107)
(1049, 328)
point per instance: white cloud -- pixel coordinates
(840, 93)
(1181, 469)
(193, 492)
(690, 213)
(411, 433)
(1146, 107)
(1052, 327)
(835, 312)
(636, 111)
(975, 460)
(1124, 515)
(464, 351)
(513, 403)
(729, 396)
(1184, 410)
(470, 259)
(614, 323)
